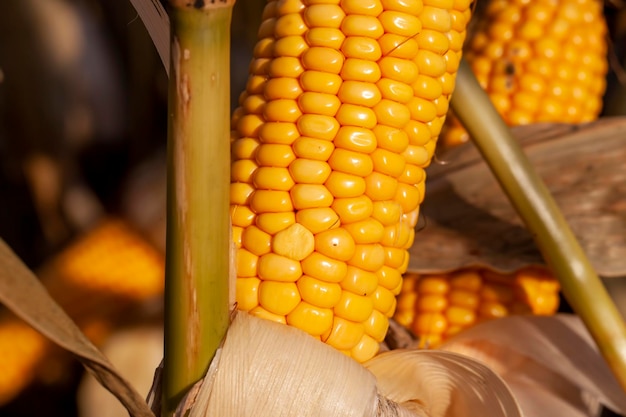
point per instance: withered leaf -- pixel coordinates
(467, 220)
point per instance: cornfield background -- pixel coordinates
(83, 125)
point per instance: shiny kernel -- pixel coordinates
(394, 90)
(310, 148)
(255, 84)
(335, 243)
(395, 257)
(366, 231)
(285, 66)
(354, 307)
(430, 63)
(318, 126)
(319, 103)
(460, 316)
(353, 115)
(389, 278)
(365, 350)
(399, 23)
(264, 48)
(247, 293)
(391, 138)
(320, 82)
(249, 125)
(318, 219)
(355, 139)
(290, 25)
(256, 240)
(433, 41)
(241, 216)
(352, 209)
(413, 7)
(430, 323)
(436, 19)
(274, 155)
(387, 212)
(319, 293)
(380, 187)
(360, 70)
(244, 148)
(306, 196)
(433, 284)
(351, 162)
(239, 192)
(278, 133)
(313, 320)
(284, 7)
(270, 201)
(254, 104)
(422, 110)
(323, 59)
(398, 69)
(384, 301)
(325, 37)
(324, 268)
(290, 46)
(344, 335)
(295, 242)
(359, 281)
(258, 66)
(364, 7)
(309, 171)
(416, 155)
(376, 325)
(266, 315)
(398, 46)
(273, 223)
(409, 196)
(246, 262)
(464, 298)
(370, 257)
(392, 114)
(275, 267)
(359, 93)
(282, 110)
(279, 298)
(362, 48)
(396, 235)
(388, 162)
(362, 25)
(324, 15)
(412, 175)
(283, 87)
(342, 185)
(273, 178)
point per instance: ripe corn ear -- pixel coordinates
(343, 106)
(435, 307)
(539, 61)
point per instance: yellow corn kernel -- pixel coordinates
(279, 298)
(278, 268)
(344, 334)
(314, 320)
(273, 223)
(354, 307)
(335, 243)
(283, 242)
(319, 293)
(354, 209)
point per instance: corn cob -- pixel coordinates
(539, 61)
(343, 106)
(437, 306)
(96, 279)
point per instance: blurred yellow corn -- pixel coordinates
(539, 61)
(435, 307)
(343, 106)
(96, 279)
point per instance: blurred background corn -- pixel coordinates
(539, 61)
(435, 307)
(341, 113)
(107, 278)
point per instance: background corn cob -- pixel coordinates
(342, 109)
(101, 280)
(539, 61)
(435, 307)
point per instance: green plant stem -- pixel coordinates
(580, 283)
(198, 240)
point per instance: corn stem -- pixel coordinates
(580, 284)
(198, 241)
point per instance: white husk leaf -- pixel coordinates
(442, 384)
(157, 23)
(550, 363)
